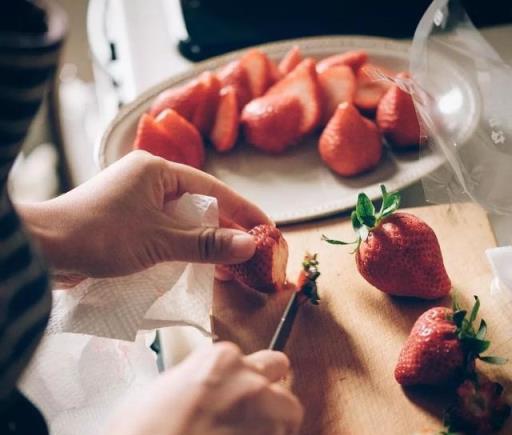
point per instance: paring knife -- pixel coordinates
(306, 290)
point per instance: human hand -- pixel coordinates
(114, 224)
(215, 391)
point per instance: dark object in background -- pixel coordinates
(218, 26)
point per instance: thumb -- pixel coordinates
(212, 245)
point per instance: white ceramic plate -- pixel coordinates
(296, 186)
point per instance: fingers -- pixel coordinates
(273, 365)
(223, 274)
(180, 179)
(279, 403)
(210, 245)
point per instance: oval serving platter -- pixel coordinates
(295, 186)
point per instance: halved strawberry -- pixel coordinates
(275, 74)
(302, 83)
(152, 137)
(350, 144)
(233, 74)
(266, 270)
(396, 117)
(256, 64)
(183, 136)
(183, 99)
(290, 60)
(271, 123)
(224, 132)
(370, 88)
(354, 59)
(204, 113)
(338, 84)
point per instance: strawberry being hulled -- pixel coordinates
(397, 252)
(266, 270)
(442, 347)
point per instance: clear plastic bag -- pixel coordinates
(462, 91)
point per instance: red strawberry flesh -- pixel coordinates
(266, 270)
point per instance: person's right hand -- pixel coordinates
(215, 391)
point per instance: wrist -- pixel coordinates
(42, 224)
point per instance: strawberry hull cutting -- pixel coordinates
(266, 270)
(397, 252)
(442, 347)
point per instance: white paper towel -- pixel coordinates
(77, 380)
(95, 353)
(164, 295)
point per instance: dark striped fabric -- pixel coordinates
(31, 34)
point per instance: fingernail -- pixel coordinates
(242, 246)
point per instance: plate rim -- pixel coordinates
(314, 42)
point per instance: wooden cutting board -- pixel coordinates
(344, 351)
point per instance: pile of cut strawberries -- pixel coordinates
(344, 99)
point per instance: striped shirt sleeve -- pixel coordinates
(30, 40)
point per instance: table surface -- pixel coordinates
(343, 352)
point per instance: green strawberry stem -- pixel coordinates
(310, 273)
(365, 218)
(473, 340)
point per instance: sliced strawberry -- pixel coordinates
(354, 59)
(153, 138)
(338, 84)
(256, 64)
(183, 136)
(183, 99)
(275, 74)
(396, 117)
(350, 144)
(224, 132)
(302, 83)
(370, 88)
(204, 113)
(271, 123)
(266, 270)
(233, 74)
(290, 60)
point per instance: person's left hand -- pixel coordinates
(114, 224)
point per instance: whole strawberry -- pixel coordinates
(442, 347)
(397, 252)
(266, 270)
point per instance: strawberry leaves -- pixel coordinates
(390, 202)
(474, 342)
(365, 218)
(308, 277)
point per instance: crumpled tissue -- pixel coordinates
(96, 351)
